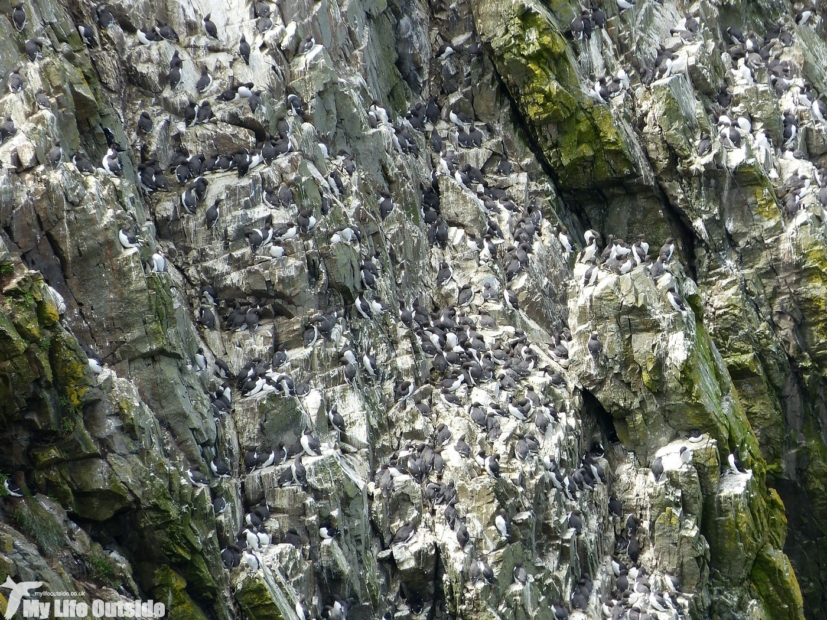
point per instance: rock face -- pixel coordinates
(521, 433)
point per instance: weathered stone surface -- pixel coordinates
(744, 364)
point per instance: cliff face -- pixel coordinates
(101, 458)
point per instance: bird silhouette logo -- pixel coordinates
(18, 591)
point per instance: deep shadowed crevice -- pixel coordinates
(574, 210)
(594, 410)
(677, 218)
(687, 236)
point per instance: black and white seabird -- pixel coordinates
(363, 307)
(336, 419)
(615, 507)
(244, 49)
(250, 537)
(492, 465)
(189, 200)
(404, 534)
(55, 155)
(296, 104)
(501, 523)
(444, 274)
(565, 239)
(209, 27)
(511, 301)
(589, 252)
(581, 26)
(460, 119)
(33, 49)
(575, 522)
(105, 18)
(146, 36)
(174, 74)
(220, 469)
(251, 318)
(213, 213)
(520, 574)
(667, 250)
(128, 239)
(657, 468)
(369, 363)
(307, 44)
(590, 277)
(598, 17)
(378, 112)
(462, 448)
(159, 263)
(328, 532)
(286, 231)
(205, 81)
(695, 436)
(18, 16)
(12, 488)
(204, 113)
(463, 536)
(482, 570)
(197, 478)
(268, 151)
(465, 296)
(182, 172)
(244, 89)
(250, 460)
(165, 31)
(657, 269)
(94, 363)
(730, 137)
(675, 299)
(219, 505)
(306, 221)
(111, 163)
(345, 234)
(311, 336)
(250, 560)
(206, 318)
(145, 122)
(298, 471)
(310, 443)
(83, 164)
(632, 524)
(594, 345)
(385, 205)
(735, 464)
(262, 9)
(87, 33)
(258, 237)
(443, 435)
(15, 81)
(200, 360)
(704, 145)
(736, 35)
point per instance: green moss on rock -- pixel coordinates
(40, 525)
(170, 589)
(773, 578)
(70, 368)
(255, 594)
(581, 140)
